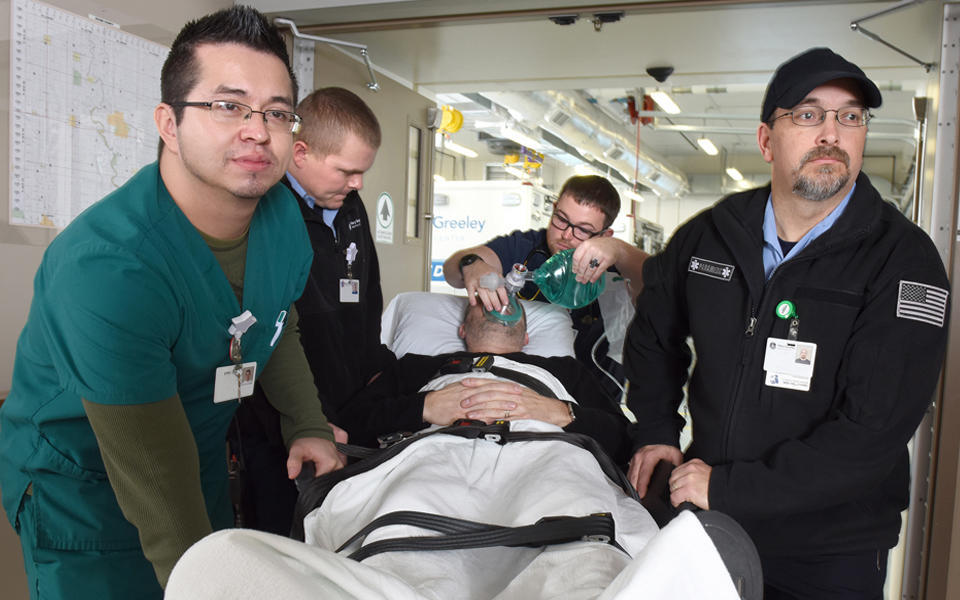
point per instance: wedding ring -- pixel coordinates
(506, 414)
(594, 263)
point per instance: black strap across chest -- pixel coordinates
(485, 364)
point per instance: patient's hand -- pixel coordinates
(446, 405)
(517, 402)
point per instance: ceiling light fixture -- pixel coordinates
(442, 143)
(707, 146)
(665, 102)
(514, 171)
(734, 174)
(519, 137)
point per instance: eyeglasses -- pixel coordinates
(225, 111)
(581, 233)
(811, 116)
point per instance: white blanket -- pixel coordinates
(513, 484)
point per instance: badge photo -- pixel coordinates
(349, 290)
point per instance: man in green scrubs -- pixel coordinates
(140, 338)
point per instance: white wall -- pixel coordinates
(21, 248)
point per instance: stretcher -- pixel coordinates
(518, 510)
(477, 480)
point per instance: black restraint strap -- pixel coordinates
(457, 534)
(314, 490)
(485, 362)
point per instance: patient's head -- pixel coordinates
(481, 334)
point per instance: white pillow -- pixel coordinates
(427, 323)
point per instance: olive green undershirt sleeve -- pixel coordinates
(151, 461)
(288, 385)
(286, 378)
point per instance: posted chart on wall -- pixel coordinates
(81, 111)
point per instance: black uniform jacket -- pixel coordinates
(394, 403)
(807, 473)
(341, 339)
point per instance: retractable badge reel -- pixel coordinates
(350, 287)
(788, 363)
(235, 381)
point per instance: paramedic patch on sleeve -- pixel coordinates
(922, 302)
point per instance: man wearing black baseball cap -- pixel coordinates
(810, 458)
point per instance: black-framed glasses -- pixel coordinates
(226, 111)
(811, 116)
(581, 233)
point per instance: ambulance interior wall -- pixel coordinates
(21, 248)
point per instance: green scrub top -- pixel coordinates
(130, 306)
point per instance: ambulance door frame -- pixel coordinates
(425, 189)
(932, 553)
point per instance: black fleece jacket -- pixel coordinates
(807, 473)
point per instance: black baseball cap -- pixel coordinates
(795, 78)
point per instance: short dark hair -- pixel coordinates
(235, 25)
(594, 190)
(329, 114)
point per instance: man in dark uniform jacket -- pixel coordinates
(341, 305)
(809, 455)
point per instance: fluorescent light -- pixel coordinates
(515, 172)
(461, 150)
(665, 102)
(585, 169)
(708, 146)
(519, 137)
(440, 142)
(734, 174)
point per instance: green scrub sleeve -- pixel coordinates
(152, 463)
(288, 384)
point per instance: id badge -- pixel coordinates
(789, 364)
(233, 382)
(349, 290)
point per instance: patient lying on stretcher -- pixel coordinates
(512, 485)
(491, 380)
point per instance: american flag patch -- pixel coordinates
(922, 302)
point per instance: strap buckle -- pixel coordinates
(482, 364)
(495, 432)
(390, 439)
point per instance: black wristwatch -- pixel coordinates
(468, 259)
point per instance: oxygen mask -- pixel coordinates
(511, 312)
(509, 315)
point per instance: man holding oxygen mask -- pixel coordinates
(585, 209)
